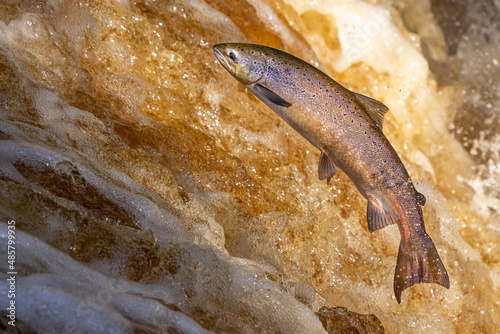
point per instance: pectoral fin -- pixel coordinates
(271, 96)
(375, 109)
(326, 168)
(378, 215)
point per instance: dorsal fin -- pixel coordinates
(271, 96)
(375, 109)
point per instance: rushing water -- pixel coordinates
(153, 193)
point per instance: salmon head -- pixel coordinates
(246, 64)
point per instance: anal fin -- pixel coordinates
(326, 168)
(378, 217)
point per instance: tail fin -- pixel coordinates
(418, 262)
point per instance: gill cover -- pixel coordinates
(245, 65)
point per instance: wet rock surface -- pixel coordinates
(339, 320)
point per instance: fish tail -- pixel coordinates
(418, 262)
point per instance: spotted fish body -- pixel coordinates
(347, 129)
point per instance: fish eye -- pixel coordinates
(232, 55)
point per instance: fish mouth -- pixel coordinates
(219, 55)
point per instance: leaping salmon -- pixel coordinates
(347, 129)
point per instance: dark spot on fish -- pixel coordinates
(320, 88)
(360, 124)
(385, 161)
(304, 74)
(352, 121)
(344, 114)
(308, 79)
(327, 90)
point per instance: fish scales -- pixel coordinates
(347, 129)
